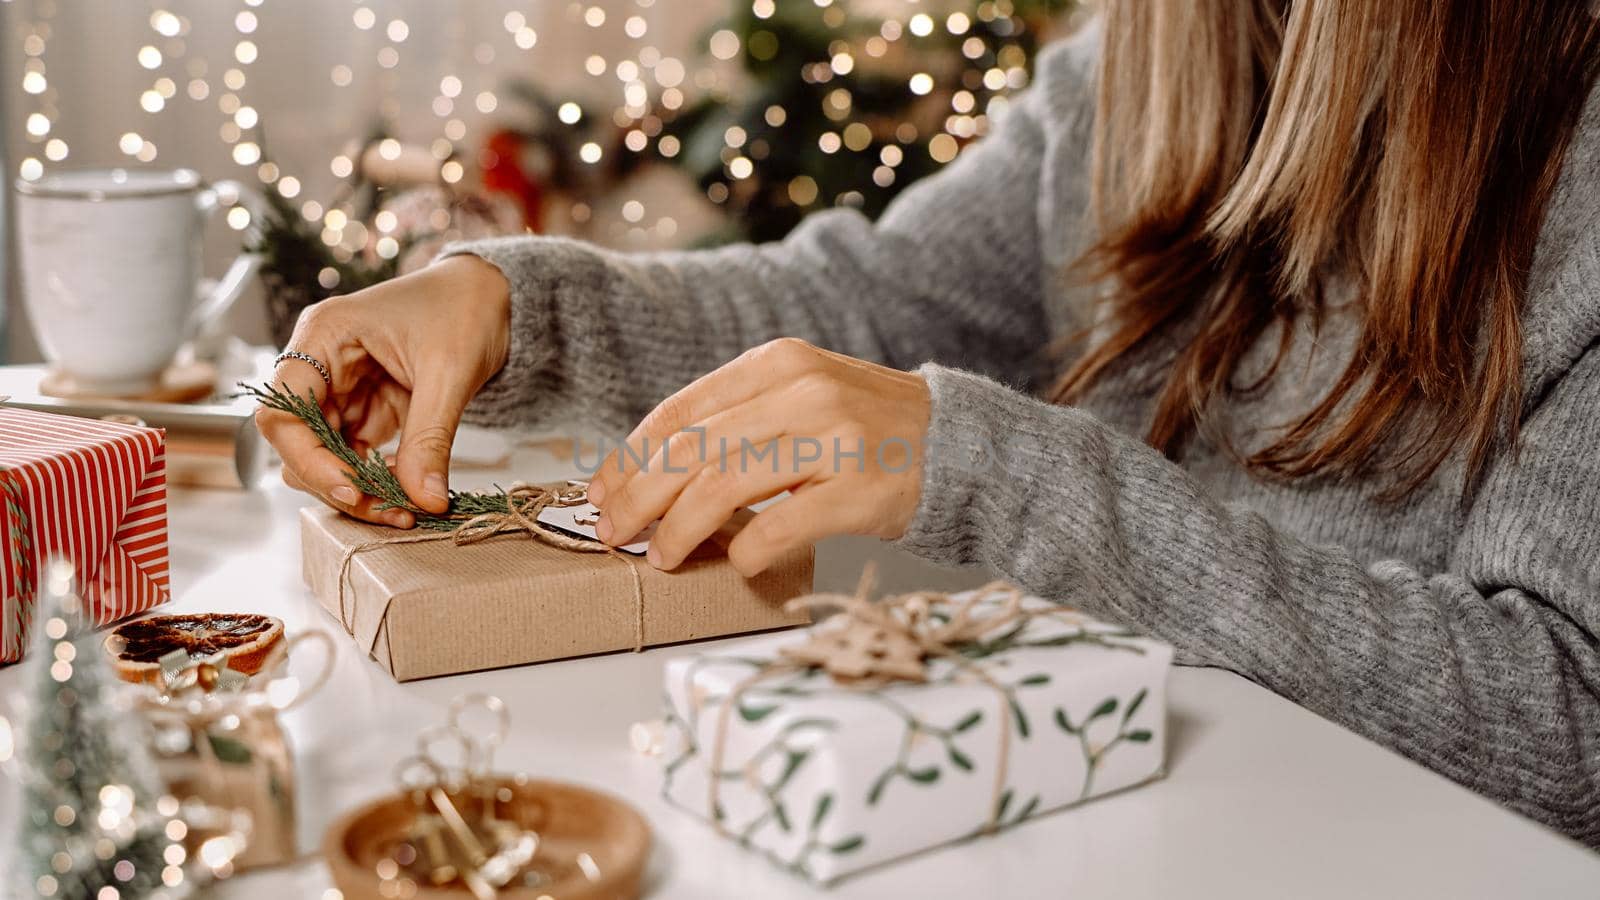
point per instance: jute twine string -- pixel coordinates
(524, 502)
(867, 644)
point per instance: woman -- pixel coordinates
(1267, 327)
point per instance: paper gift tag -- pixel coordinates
(580, 520)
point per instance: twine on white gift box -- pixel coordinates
(524, 502)
(868, 644)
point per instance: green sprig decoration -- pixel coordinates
(371, 475)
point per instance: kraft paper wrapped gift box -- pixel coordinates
(436, 608)
(827, 779)
(93, 493)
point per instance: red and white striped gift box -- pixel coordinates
(90, 491)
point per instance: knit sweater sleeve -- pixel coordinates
(950, 272)
(1488, 672)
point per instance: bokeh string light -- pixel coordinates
(636, 94)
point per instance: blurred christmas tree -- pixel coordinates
(88, 825)
(845, 107)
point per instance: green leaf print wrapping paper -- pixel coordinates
(827, 778)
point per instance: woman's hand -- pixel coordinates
(842, 435)
(405, 356)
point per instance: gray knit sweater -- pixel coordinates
(1460, 634)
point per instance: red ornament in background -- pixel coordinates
(504, 173)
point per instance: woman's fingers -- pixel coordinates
(753, 373)
(717, 442)
(432, 417)
(813, 511)
(708, 501)
(328, 482)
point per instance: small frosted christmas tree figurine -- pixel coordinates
(90, 827)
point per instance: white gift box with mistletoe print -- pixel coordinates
(827, 779)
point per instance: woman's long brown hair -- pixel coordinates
(1245, 149)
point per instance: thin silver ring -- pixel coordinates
(309, 360)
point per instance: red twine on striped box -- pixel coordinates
(92, 492)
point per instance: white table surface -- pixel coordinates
(1262, 798)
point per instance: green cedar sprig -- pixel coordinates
(371, 475)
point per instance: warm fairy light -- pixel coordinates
(921, 83)
(635, 27)
(724, 44)
(55, 150)
(636, 140)
(246, 117)
(130, 143)
(245, 22)
(450, 86)
(627, 70)
(364, 18)
(741, 167)
(34, 83)
(668, 146)
(525, 38)
(842, 63)
(972, 48)
(590, 152)
(734, 137)
(246, 153)
(198, 89)
(389, 149)
(857, 136)
(328, 277)
(669, 72)
(149, 57)
(957, 23)
(311, 211)
(595, 65)
(921, 25)
(994, 79)
(229, 132)
(829, 142)
(38, 124)
(340, 166)
(388, 57)
(776, 116)
(942, 147)
(229, 103)
(289, 187)
(342, 75)
(569, 112)
(633, 211)
(398, 31)
(486, 102)
(238, 218)
(452, 171)
(594, 17)
(763, 9)
(455, 129)
(267, 172)
(245, 52)
(514, 21)
(386, 221)
(165, 23)
(233, 79)
(891, 155)
(441, 149)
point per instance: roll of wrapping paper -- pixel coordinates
(211, 445)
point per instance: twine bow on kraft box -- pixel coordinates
(503, 590)
(91, 492)
(904, 724)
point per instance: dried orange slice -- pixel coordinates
(244, 641)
